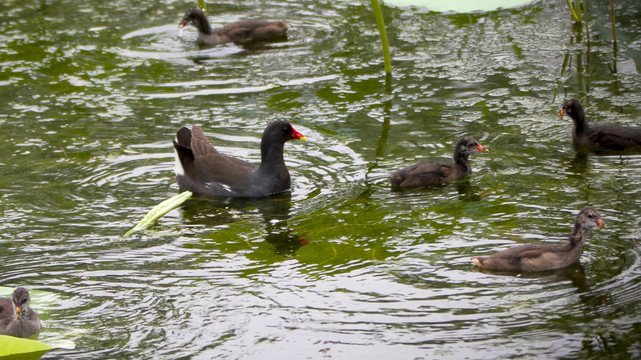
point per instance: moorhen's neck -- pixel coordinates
(271, 152)
(579, 234)
(578, 116)
(461, 159)
(199, 20)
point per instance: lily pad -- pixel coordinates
(460, 6)
(21, 349)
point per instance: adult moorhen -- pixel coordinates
(545, 257)
(201, 169)
(599, 138)
(433, 172)
(244, 31)
(16, 317)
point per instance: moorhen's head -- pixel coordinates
(468, 145)
(20, 299)
(589, 218)
(573, 109)
(196, 18)
(281, 131)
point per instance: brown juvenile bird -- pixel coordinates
(16, 317)
(437, 172)
(243, 31)
(599, 138)
(545, 257)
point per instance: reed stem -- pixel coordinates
(378, 13)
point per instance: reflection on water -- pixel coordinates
(93, 92)
(274, 211)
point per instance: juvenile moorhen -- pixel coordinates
(244, 31)
(599, 138)
(433, 172)
(545, 257)
(16, 317)
(201, 169)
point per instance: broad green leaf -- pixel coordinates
(461, 6)
(21, 349)
(159, 210)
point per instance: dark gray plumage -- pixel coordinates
(243, 31)
(201, 169)
(16, 316)
(437, 172)
(599, 138)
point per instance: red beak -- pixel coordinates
(298, 136)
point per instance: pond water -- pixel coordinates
(93, 92)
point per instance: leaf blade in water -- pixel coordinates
(24, 349)
(159, 210)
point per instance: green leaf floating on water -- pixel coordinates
(461, 6)
(159, 210)
(21, 349)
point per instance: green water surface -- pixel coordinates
(92, 93)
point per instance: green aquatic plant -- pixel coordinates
(24, 349)
(575, 9)
(614, 25)
(380, 22)
(159, 210)
(202, 6)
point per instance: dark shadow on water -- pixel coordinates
(466, 190)
(212, 52)
(575, 273)
(273, 209)
(579, 164)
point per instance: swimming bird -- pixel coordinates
(243, 31)
(545, 257)
(599, 138)
(438, 172)
(16, 316)
(201, 169)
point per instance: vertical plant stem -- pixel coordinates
(576, 16)
(378, 13)
(614, 26)
(585, 18)
(614, 40)
(202, 6)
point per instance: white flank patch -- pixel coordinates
(178, 166)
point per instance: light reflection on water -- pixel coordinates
(341, 266)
